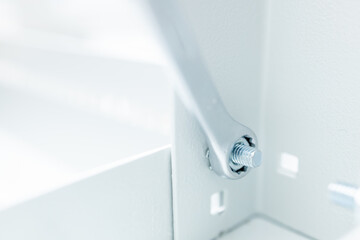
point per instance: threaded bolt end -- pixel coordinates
(246, 155)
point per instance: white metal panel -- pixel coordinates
(126, 201)
(230, 38)
(311, 112)
(261, 229)
(309, 96)
(63, 113)
(194, 185)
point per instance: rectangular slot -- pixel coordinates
(217, 203)
(288, 165)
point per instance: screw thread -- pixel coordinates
(244, 155)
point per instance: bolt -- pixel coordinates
(246, 155)
(343, 194)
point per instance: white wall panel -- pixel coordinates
(292, 71)
(229, 35)
(194, 184)
(311, 111)
(125, 201)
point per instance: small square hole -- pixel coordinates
(217, 203)
(288, 165)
